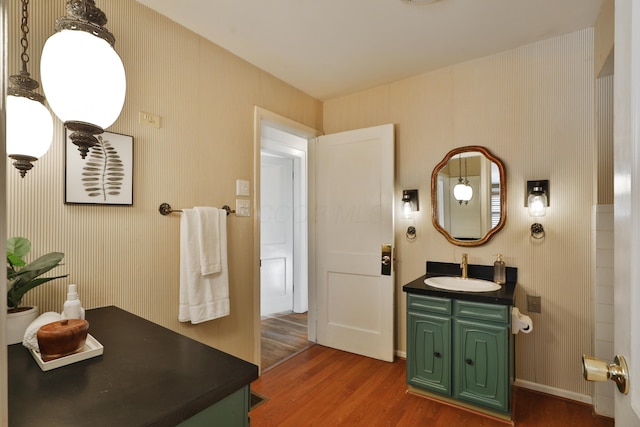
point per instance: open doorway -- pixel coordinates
(284, 238)
(283, 274)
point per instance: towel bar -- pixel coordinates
(165, 209)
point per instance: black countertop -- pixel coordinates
(147, 376)
(505, 295)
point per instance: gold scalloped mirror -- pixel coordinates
(469, 196)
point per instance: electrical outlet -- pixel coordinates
(534, 304)
(242, 207)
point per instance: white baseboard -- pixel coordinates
(583, 398)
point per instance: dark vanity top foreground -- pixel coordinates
(505, 295)
(147, 376)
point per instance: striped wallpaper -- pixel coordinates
(604, 146)
(128, 255)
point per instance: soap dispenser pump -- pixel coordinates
(72, 308)
(499, 271)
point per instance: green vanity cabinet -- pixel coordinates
(460, 349)
(230, 411)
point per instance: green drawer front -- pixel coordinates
(477, 310)
(431, 304)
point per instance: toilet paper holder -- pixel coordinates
(520, 322)
(594, 369)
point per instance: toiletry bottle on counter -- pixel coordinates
(72, 308)
(499, 271)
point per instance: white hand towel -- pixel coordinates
(209, 237)
(30, 339)
(202, 297)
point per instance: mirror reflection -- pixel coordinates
(468, 196)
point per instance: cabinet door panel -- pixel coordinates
(481, 364)
(429, 352)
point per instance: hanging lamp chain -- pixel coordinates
(466, 179)
(24, 41)
(23, 84)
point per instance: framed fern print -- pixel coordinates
(105, 176)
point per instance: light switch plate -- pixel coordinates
(242, 207)
(242, 187)
(148, 119)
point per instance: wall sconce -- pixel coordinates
(82, 75)
(410, 202)
(29, 122)
(537, 202)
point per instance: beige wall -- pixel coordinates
(533, 107)
(128, 256)
(603, 38)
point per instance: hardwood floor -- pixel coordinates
(283, 335)
(326, 387)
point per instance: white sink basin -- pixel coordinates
(460, 284)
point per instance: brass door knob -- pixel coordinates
(594, 369)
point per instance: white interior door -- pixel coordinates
(276, 234)
(354, 218)
(627, 204)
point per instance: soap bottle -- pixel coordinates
(72, 308)
(499, 271)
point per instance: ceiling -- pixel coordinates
(330, 48)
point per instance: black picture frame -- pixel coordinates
(105, 176)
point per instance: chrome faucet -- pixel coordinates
(464, 265)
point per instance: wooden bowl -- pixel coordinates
(62, 338)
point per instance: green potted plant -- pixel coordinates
(21, 278)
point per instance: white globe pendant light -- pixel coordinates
(459, 192)
(468, 192)
(29, 124)
(29, 131)
(82, 75)
(462, 191)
